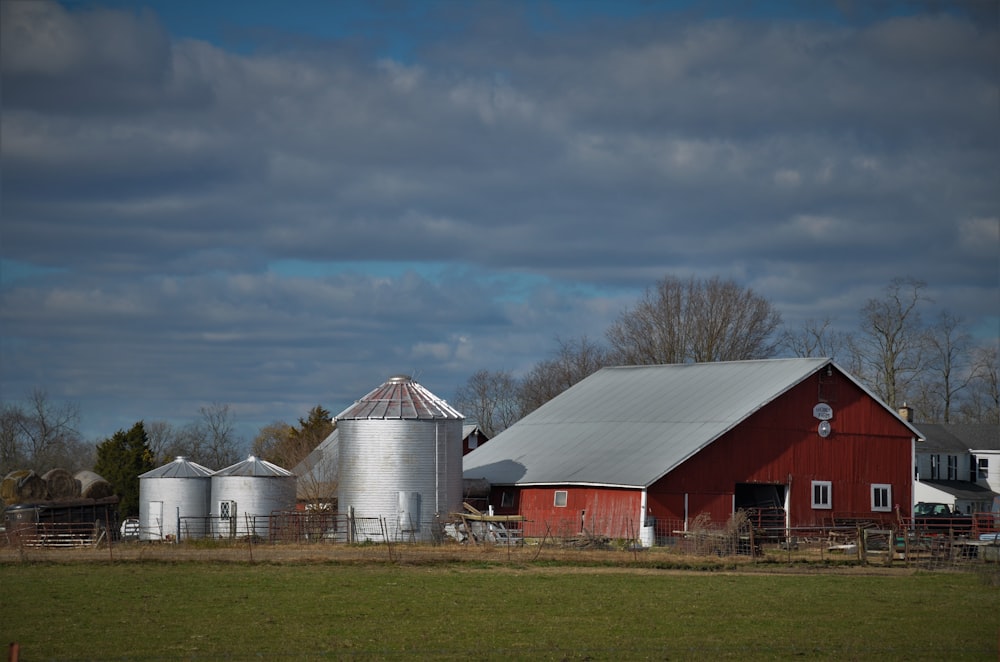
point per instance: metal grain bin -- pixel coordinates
(400, 460)
(174, 501)
(245, 494)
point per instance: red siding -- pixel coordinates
(606, 511)
(780, 445)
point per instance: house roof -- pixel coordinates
(959, 437)
(962, 489)
(629, 426)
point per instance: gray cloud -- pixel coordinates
(529, 182)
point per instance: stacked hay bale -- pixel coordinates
(93, 486)
(61, 485)
(22, 485)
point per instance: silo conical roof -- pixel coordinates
(253, 466)
(181, 467)
(400, 398)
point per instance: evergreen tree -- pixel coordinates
(120, 461)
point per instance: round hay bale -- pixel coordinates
(61, 484)
(93, 486)
(22, 485)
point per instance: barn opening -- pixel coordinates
(764, 503)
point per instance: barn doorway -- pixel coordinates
(764, 503)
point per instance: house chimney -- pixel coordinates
(906, 413)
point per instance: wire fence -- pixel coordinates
(908, 542)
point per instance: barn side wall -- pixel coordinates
(780, 445)
(603, 511)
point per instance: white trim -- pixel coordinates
(886, 490)
(825, 500)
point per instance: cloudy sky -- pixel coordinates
(282, 206)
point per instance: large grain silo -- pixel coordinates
(174, 501)
(400, 460)
(246, 493)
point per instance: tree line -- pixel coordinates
(41, 435)
(937, 368)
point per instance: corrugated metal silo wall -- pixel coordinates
(380, 459)
(188, 497)
(253, 496)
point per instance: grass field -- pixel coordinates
(157, 609)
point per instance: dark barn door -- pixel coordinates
(765, 505)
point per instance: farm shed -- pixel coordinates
(629, 447)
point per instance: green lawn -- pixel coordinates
(209, 611)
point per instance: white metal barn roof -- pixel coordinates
(629, 426)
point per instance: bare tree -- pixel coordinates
(491, 399)
(162, 439)
(271, 442)
(211, 440)
(816, 338)
(13, 452)
(42, 435)
(219, 432)
(696, 320)
(574, 361)
(948, 365)
(982, 404)
(889, 350)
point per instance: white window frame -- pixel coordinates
(559, 498)
(881, 498)
(822, 495)
(982, 468)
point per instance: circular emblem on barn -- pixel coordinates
(824, 429)
(823, 412)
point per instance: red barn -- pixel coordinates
(799, 439)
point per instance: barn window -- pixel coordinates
(506, 499)
(984, 468)
(821, 494)
(560, 500)
(881, 498)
